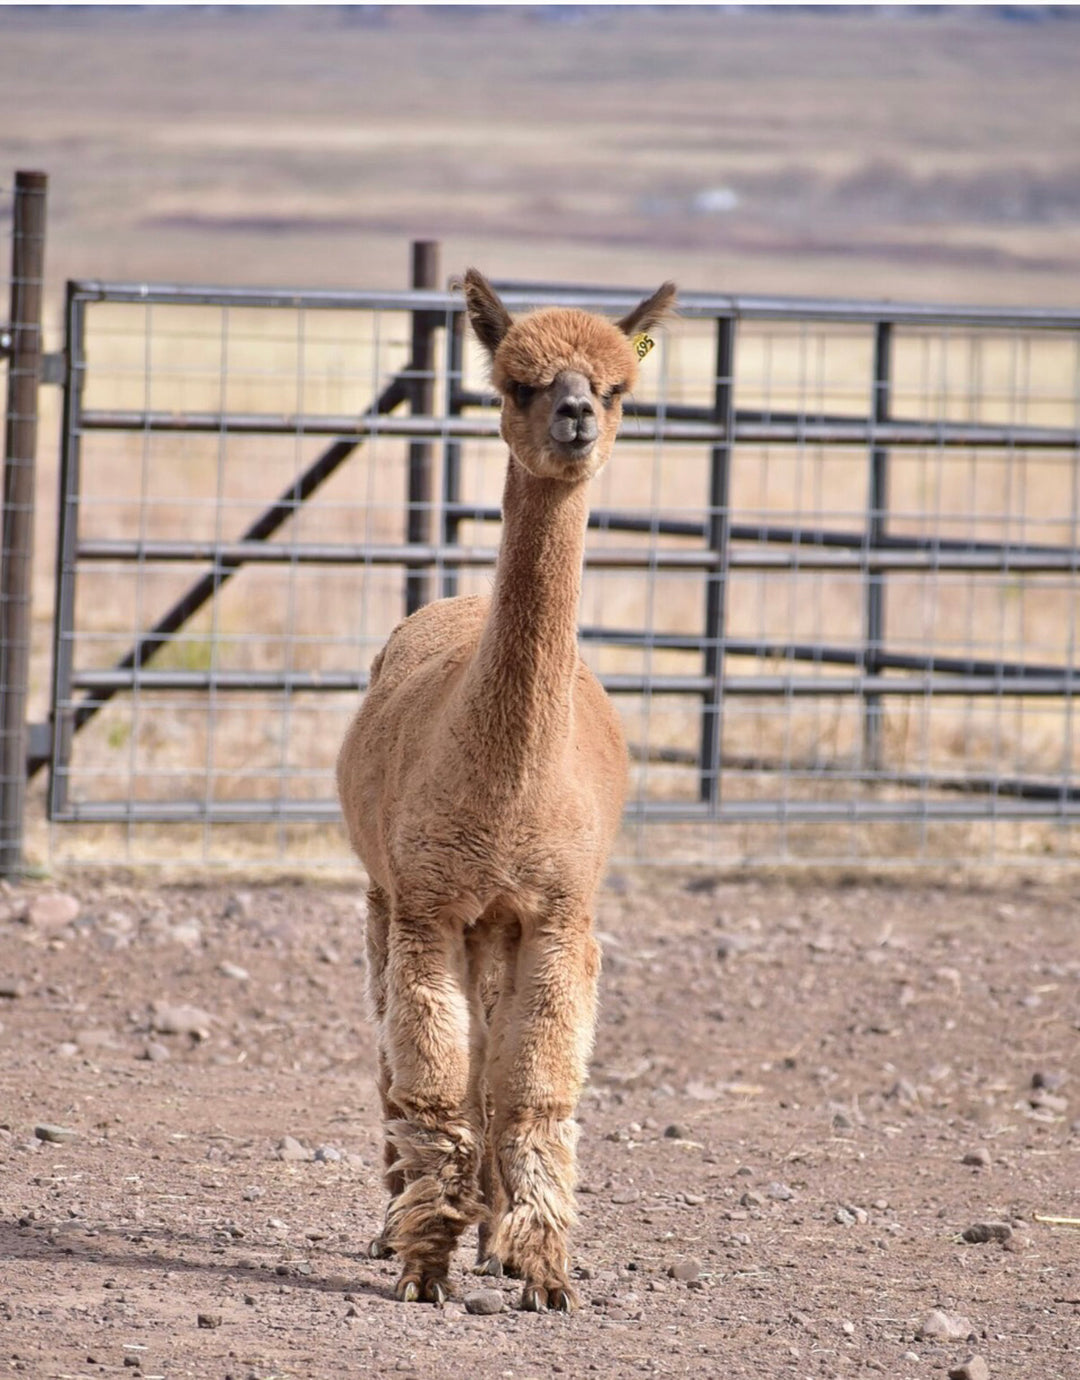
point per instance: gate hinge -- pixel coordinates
(54, 367)
(39, 743)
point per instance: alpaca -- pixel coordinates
(482, 784)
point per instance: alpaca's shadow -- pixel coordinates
(111, 1248)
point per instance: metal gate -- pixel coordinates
(832, 575)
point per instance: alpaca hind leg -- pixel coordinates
(378, 921)
(437, 1150)
(495, 996)
(536, 1136)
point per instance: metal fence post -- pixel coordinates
(420, 583)
(718, 526)
(65, 716)
(451, 484)
(17, 548)
(877, 512)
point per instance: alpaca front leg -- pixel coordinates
(427, 1043)
(536, 1135)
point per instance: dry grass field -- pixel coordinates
(881, 154)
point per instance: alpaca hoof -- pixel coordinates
(537, 1299)
(561, 1300)
(379, 1250)
(420, 1289)
(492, 1266)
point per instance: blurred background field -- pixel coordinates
(888, 154)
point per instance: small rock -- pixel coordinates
(209, 1319)
(327, 1154)
(187, 932)
(676, 1132)
(979, 1159)
(685, 1269)
(10, 988)
(979, 1232)
(291, 1150)
(780, 1193)
(156, 1052)
(180, 1020)
(1047, 1101)
(939, 1326)
(234, 971)
(752, 1199)
(56, 1135)
(728, 945)
(1050, 1081)
(626, 1195)
(484, 1302)
(974, 1368)
(845, 1217)
(238, 906)
(52, 910)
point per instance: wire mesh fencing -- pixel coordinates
(832, 572)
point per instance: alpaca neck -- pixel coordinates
(520, 684)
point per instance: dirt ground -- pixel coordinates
(789, 1079)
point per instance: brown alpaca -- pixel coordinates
(482, 783)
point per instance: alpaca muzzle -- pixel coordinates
(573, 416)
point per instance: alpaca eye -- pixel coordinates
(523, 393)
(615, 391)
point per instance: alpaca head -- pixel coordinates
(562, 374)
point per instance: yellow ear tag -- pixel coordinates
(642, 344)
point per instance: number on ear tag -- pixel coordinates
(642, 344)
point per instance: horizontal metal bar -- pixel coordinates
(975, 810)
(798, 431)
(805, 538)
(263, 682)
(485, 427)
(600, 519)
(1061, 686)
(416, 555)
(1004, 560)
(825, 654)
(519, 296)
(897, 435)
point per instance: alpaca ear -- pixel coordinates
(490, 319)
(647, 313)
